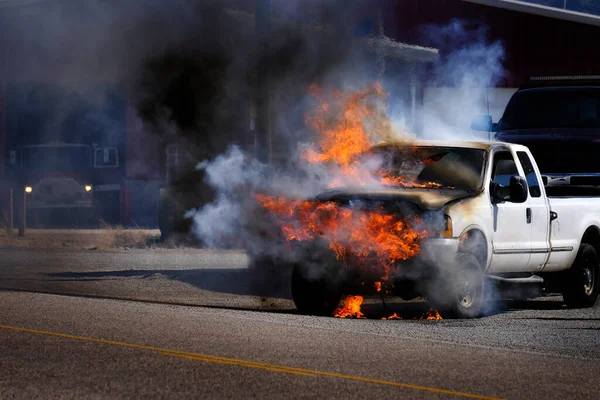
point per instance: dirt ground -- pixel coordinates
(89, 239)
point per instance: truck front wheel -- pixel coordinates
(318, 296)
(459, 291)
(581, 285)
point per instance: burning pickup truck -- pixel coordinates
(439, 220)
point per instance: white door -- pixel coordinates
(539, 215)
(511, 237)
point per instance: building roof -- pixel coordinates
(21, 3)
(380, 43)
(546, 11)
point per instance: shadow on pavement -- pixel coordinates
(276, 284)
(232, 281)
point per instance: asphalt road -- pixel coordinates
(209, 340)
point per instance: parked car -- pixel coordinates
(558, 119)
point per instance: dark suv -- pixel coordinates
(559, 120)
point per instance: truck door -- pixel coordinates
(511, 237)
(539, 215)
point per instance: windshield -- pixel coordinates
(56, 158)
(553, 108)
(428, 166)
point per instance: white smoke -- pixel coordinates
(460, 81)
(461, 84)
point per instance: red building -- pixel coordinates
(536, 41)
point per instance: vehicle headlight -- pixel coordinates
(28, 189)
(88, 188)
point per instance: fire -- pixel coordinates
(342, 132)
(388, 180)
(351, 308)
(368, 237)
(349, 125)
(432, 315)
(393, 316)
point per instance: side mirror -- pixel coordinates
(482, 123)
(518, 189)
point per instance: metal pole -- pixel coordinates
(11, 210)
(22, 207)
(263, 90)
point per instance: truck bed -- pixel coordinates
(574, 215)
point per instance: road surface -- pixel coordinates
(191, 329)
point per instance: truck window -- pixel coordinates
(503, 168)
(530, 175)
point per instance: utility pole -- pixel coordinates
(21, 210)
(263, 89)
(11, 210)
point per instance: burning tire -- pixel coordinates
(459, 292)
(581, 286)
(318, 296)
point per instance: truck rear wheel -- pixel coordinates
(318, 296)
(459, 291)
(581, 285)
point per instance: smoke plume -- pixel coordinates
(460, 84)
(188, 69)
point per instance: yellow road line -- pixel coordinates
(246, 363)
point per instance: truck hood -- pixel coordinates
(425, 199)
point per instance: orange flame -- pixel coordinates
(388, 180)
(342, 132)
(393, 316)
(432, 315)
(348, 125)
(368, 236)
(351, 308)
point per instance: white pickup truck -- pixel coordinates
(499, 226)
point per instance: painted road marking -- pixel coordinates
(246, 363)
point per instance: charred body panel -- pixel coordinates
(430, 199)
(358, 275)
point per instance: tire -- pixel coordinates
(581, 284)
(314, 297)
(459, 292)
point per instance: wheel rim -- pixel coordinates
(466, 289)
(589, 276)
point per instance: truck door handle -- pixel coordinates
(528, 214)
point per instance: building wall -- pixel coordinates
(534, 45)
